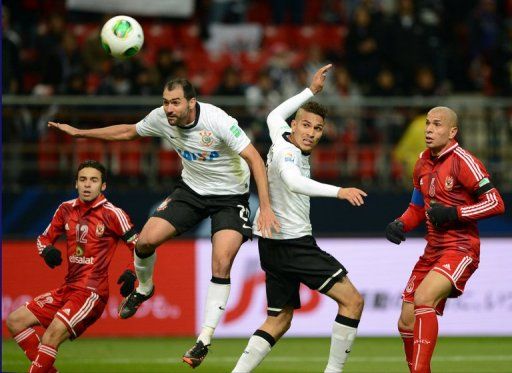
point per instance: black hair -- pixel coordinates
(315, 108)
(188, 89)
(93, 164)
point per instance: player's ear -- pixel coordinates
(76, 184)
(103, 187)
(453, 132)
(192, 103)
(293, 125)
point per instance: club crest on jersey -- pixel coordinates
(448, 183)
(164, 204)
(206, 137)
(79, 251)
(100, 229)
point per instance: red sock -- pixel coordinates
(44, 360)
(425, 338)
(29, 341)
(408, 339)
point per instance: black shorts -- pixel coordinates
(287, 263)
(184, 208)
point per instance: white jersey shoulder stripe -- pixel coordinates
(473, 166)
(123, 221)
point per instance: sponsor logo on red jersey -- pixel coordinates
(81, 260)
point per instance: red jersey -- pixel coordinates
(453, 178)
(92, 234)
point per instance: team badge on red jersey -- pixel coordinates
(206, 137)
(164, 204)
(100, 229)
(448, 183)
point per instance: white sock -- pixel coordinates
(144, 270)
(341, 343)
(216, 301)
(253, 355)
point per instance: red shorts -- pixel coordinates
(76, 308)
(456, 266)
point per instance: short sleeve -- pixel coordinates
(149, 127)
(229, 131)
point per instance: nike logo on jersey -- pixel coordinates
(347, 351)
(222, 308)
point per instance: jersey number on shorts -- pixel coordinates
(244, 215)
(42, 299)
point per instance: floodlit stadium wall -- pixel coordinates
(378, 268)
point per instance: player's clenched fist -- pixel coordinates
(352, 195)
(127, 279)
(52, 256)
(395, 232)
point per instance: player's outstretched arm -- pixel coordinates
(267, 220)
(119, 132)
(276, 120)
(353, 195)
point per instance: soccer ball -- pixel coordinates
(122, 37)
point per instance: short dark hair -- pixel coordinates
(93, 164)
(315, 108)
(188, 89)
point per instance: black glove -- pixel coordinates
(395, 232)
(439, 214)
(127, 279)
(52, 256)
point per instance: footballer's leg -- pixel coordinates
(226, 244)
(155, 232)
(344, 330)
(434, 288)
(261, 342)
(20, 323)
(406, 329)
(55, 334)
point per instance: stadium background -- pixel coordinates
(393, 60)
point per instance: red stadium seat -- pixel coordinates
(276, 35)
(367, 162)
(159, 36)
(85, 149)
(82, 31)
(326, 165)
(48, 155)
(127, 160)
(169, 163)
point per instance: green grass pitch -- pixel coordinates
(382, 355)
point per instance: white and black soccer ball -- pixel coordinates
(122, 37)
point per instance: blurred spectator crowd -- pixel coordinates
(263, 51)
(379, 48)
